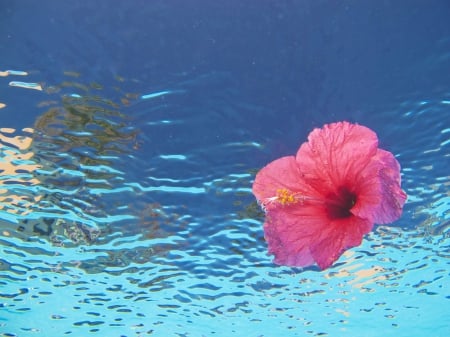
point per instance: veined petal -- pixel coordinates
(290, 234)
(280, 175)
(339, 235)
(335, 155)
(303, 236)
(380, 196)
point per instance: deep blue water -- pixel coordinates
(125, 197)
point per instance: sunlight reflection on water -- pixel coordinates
(118, 219)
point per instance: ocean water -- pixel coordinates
(129, 139)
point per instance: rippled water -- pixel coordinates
(130, 213)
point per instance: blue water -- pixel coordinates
(125, 194)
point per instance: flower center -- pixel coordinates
(339, 204)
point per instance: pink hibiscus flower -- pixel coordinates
(326, 198)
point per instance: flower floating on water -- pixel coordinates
(326, 198)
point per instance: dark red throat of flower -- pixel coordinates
(338, 205)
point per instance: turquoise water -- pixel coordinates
(130, 228)
(125, 193)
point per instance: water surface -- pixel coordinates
(126, 205)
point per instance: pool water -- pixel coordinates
(130, 136)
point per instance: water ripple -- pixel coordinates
(117, 218)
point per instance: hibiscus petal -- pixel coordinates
(335, 154)
(340, 235)
(279, 174)
(290, 234)
(300, 237)
(291, 231)
(380, 196)
(394, 197)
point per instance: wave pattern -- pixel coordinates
(134, 217)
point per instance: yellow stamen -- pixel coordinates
(285, 197)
